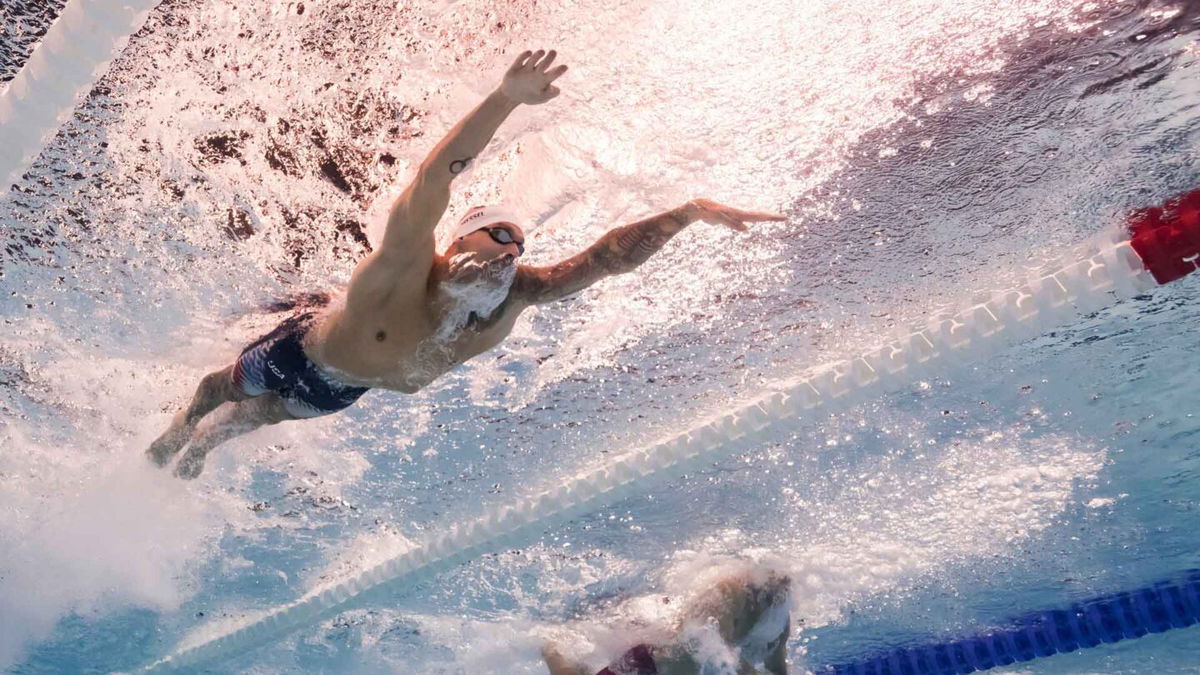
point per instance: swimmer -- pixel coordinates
(748, 611)
(411, 313)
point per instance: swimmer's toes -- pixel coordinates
(190, 466)
(162, 450)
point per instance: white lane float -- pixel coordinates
(75, 52)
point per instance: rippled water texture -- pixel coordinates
(925, 152)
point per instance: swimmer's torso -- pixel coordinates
(382, 335)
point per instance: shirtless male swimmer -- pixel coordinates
(410, 313)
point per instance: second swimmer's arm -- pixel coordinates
(776, 661)
(557, 664)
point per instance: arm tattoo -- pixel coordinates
(626, 247)
(459, 165)
(620, 250)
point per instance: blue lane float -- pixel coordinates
(1166, 605)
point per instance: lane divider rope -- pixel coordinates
(1168, 604)
(75, 52)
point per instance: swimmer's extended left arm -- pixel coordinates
(623, 249)
(557, 664)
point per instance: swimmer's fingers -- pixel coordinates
(742, 216)
(733, 223)
(756, 216)
(545, 63)
(739, 214)
(712, 212)
(529, 78)
(520, 61)
(723, 218)
(554, 74)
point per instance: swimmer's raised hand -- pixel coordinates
(712, 212)
(528, 80)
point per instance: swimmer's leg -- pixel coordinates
(216, 388)
(231, 421)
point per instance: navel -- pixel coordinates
(380, 336)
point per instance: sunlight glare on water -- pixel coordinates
(237, 154)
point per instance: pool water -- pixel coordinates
(924, 151)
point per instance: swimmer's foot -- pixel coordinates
(171, 442)
(191, 464)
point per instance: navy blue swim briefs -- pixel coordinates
(277, 362)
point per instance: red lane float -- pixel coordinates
(1167, 238)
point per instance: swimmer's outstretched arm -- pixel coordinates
(416, 213)
(624, 248)
(557, 664)
(776, 661)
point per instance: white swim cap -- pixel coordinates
(480, 217)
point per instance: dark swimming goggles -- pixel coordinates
(502, 235)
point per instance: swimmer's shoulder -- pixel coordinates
(381, 279)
